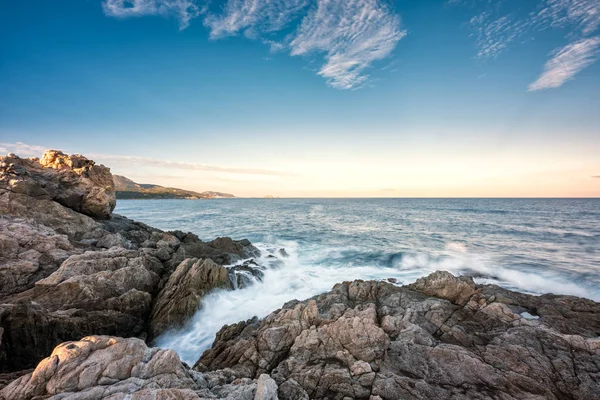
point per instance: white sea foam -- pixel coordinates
(303, 276)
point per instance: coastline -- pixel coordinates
(73, 269)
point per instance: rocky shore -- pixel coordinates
(83, 293)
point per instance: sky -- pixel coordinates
(312, 98)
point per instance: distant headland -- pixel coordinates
(125, 189)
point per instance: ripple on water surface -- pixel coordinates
(531, 245)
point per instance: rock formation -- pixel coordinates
(73, 181)
(70, 268)
(104, 367)
(183, 292)
(439, 338)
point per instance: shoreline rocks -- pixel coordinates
(70, 269)
(442, 337)
(182, 295)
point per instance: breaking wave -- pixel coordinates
(534, 246)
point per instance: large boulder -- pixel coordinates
(440, 338)
(73, 181)
(182, 295)
(98, 292)
(104, 367)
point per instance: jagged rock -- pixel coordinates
(73, 181)
(291, 390)
(116, 279)
(223, 251)
(104, 367)
(378, 340)
(67, 270)
(29, 252)
(245, 274)
(182, 295)
(444, 285)
(107, 292)
(97, 367)
(266, 388)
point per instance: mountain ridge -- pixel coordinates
(126, 189)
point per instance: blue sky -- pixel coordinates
(312, 97)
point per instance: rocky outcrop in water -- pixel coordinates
(70, 268)
(183, 292)
(439, 338)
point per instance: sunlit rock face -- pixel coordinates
(104, 367)
(73, 181)
(442, 337)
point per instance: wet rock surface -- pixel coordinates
(182, 295)
(440, 338)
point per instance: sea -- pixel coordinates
(529, 245)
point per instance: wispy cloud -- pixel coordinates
(183, 10)
(583, 15)
(22, 149)
(567, 62)
(27, 150)
(254, 17)
(350, 34)
(596, 176)
(493, 35)
(495, 31)
(153, 162)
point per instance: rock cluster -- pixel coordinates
(439, 338)
(69, 268)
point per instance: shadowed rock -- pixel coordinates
(181, 297)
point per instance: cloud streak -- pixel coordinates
(183, 10)
(493, 35)
(254, 17)
(495, 31)
(22, 149)
(27, 150)
(153, 162)
(350, 35)
(566, 63)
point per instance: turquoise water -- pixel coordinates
(531, 245)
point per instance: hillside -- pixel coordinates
(125, 188)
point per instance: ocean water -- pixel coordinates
(530, 245)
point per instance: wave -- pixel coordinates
(309, 271)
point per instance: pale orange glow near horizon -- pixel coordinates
(551, 173)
